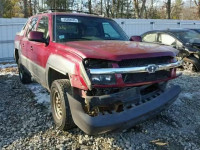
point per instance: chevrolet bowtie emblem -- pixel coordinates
(152, 68)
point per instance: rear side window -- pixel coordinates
(32, 25)
(43, 26)
(167, 39)
(152, 37)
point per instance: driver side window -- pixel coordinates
(32, 26)
(43, 26)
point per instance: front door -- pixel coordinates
(40, 51)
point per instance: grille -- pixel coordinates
(145, 77)
(144, 61)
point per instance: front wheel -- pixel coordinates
(190, 64)
(60, 106)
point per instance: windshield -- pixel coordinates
(187, 36)
(81, 28)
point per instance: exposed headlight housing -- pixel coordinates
(103, 79)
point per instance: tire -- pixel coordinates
(60, 106)
(24, 77)
(191, 64)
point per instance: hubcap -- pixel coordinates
(188, 66)
(57, 105)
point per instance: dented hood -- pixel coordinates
(118, 50)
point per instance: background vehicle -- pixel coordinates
(197, 30)
(97, 78)
(186, 41)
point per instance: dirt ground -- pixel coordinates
(26, 121)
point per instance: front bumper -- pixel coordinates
(122, 120)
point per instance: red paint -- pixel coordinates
(76, 51)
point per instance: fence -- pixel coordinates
(139, 26)
(9, 27)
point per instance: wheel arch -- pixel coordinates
(16, 55)
(54, 74)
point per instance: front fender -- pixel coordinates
(67, 67)
(61, 64)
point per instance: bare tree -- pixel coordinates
(30, 8)
(139, 10)
(197, 3)
(101, 7)
(25, 9)
(107, 7)
(1, 8)
(90, 6)
(168, 9)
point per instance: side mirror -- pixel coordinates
(36, 36)
(136, 38)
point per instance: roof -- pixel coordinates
(169, 30)
(70, 13)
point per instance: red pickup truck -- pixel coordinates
(98, 79)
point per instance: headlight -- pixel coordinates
(97, 63)
(103, 79)
(196, 55)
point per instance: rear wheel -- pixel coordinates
(24, 77)
(60, 105)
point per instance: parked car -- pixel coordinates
(97, 78)
(197, 30)
(186, 41)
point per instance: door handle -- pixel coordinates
(32, 48)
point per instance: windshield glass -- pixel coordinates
(187, 36)
(81, 28)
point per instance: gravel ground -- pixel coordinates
(26, 121)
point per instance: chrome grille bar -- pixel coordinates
(149, 68)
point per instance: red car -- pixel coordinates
(98, 79)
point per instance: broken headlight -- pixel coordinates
(103, 79)
(97, 63)
(99, 79)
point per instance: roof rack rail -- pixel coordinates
(66, 10)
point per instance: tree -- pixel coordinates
(25, 9)
(1, 8)
(90, 6)
(168, 9)
(197, 3)
(177, 9)
(140, 7)
(10, 8)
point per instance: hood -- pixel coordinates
(118, 50)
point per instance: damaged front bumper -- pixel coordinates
(147, 106)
